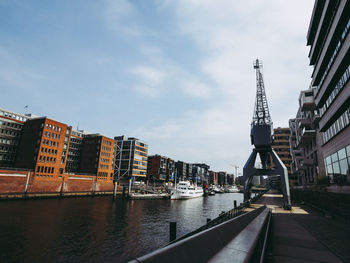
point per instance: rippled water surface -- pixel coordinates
(98, 229)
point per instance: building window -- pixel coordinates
(337, 166)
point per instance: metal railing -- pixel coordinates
(223, 217)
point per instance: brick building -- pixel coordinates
(213, 179)
(160, 168)
(222, 178)
(281, 146)
(42, 147)
(98, 156)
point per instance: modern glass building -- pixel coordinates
(131, 159)
(329, 41)
(11, 124)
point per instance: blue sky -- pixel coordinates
(176, 74)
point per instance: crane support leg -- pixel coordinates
(248, 174)
(282, 171)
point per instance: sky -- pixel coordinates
(178, 75)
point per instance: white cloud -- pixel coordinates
(196, 88)
(229, 36)
(120, 16)
(150, 80)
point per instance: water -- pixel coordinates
(98, 229)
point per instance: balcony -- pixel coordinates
(307, 101)
(307, 162)
(316, 118)
(306, 135)
(296, 151)
(305, 123)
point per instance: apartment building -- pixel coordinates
(200, 173)
(160, 168)
(213, 179)
(11, 124)
(170, 173)
(222, 178)
(329, 41)
(189, 168)
(281, 146)
(131, 159)
(42, 147)
(156, 167)
(98, 156)
(304, 142)
(181, 170)
(74, 151)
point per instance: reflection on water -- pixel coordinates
(98, 229)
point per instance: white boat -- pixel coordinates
(232, 189)
(218, 189)
(185, 190)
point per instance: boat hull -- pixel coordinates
(179, 195)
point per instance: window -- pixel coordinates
(342, 154)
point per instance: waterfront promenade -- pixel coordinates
(304, 234)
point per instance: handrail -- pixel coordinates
(203, 246)
(223, 217)
(263, 251)
(247, 245)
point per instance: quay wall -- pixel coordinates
(337, 204)
(23, 184)
(13, 181)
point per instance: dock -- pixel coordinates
(304, 234)
(147, 196)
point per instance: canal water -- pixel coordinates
(98, 229)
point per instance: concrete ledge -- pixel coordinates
(16, 196)
(202, 246)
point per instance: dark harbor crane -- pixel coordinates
(261, 137)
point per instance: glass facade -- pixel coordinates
(338, 166)
(342, 122)
(335, 53)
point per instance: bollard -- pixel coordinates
(235, 203)
(115, 191)
(124, 192)
(172, 231)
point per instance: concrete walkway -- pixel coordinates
(304, 234)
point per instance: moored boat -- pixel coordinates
(185, 190)
(218, 190)
(232, 189)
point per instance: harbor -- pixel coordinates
(93, 229)
(175, 131)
